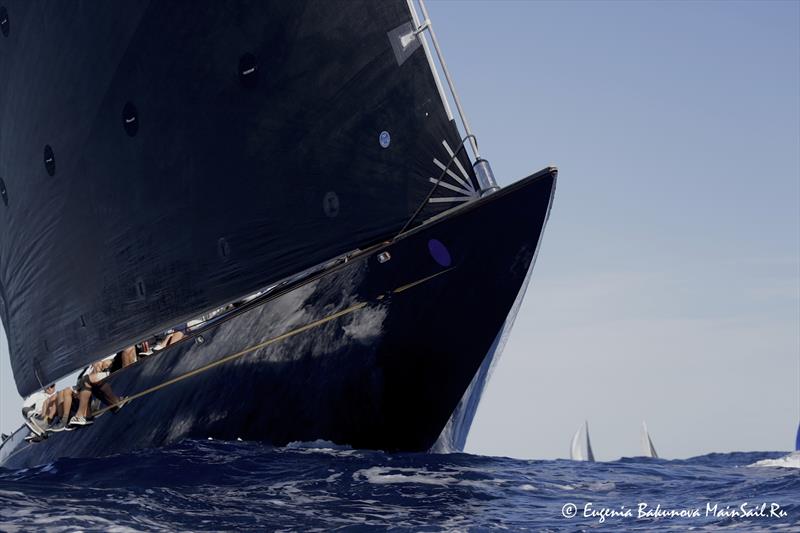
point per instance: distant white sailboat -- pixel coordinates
(648, 450)
(788, 461)
(581, 448)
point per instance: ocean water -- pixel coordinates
(212, 485)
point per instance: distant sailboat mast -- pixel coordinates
(581, 447)
(797, 439)
(648, 450)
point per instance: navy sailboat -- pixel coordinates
(290, 171)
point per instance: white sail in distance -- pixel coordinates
(581, 447)
(648, 450)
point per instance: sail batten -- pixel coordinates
(270, 137)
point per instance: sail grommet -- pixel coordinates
(4, 24)
(383, 257)
(330, 204)
(3, 192)
(248, 70)
(439, 252)
(49, 160)
(130, 119)
(385, 139)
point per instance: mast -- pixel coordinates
(483, 171)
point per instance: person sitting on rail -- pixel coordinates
(126, 357)
(150, 346)
(90, 383)
(81, 394)
(50, 405)
(143, 349)
(93, 381)
(172, 336)
(67, 406)
(35, 409)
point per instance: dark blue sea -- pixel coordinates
(211, 485)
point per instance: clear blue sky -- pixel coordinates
(668, 283)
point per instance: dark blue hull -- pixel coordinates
(365, 353)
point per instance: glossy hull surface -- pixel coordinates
(369, 354)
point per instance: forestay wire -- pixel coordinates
(435, 185)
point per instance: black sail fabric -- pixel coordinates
(159, 159)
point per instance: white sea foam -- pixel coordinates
(333, 477)
(11, 494)
(789, 461)
(318, 444)
(380, 475)
(323, 447)
(602, 486)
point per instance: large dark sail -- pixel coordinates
(167, 157)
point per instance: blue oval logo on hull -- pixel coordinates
(439, 252)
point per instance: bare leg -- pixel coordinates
(128, 356)
(173, 338)
(66, 403)
(105, 394)
(45, 409)
(84, 397)
(62, 402)
(50, 407)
